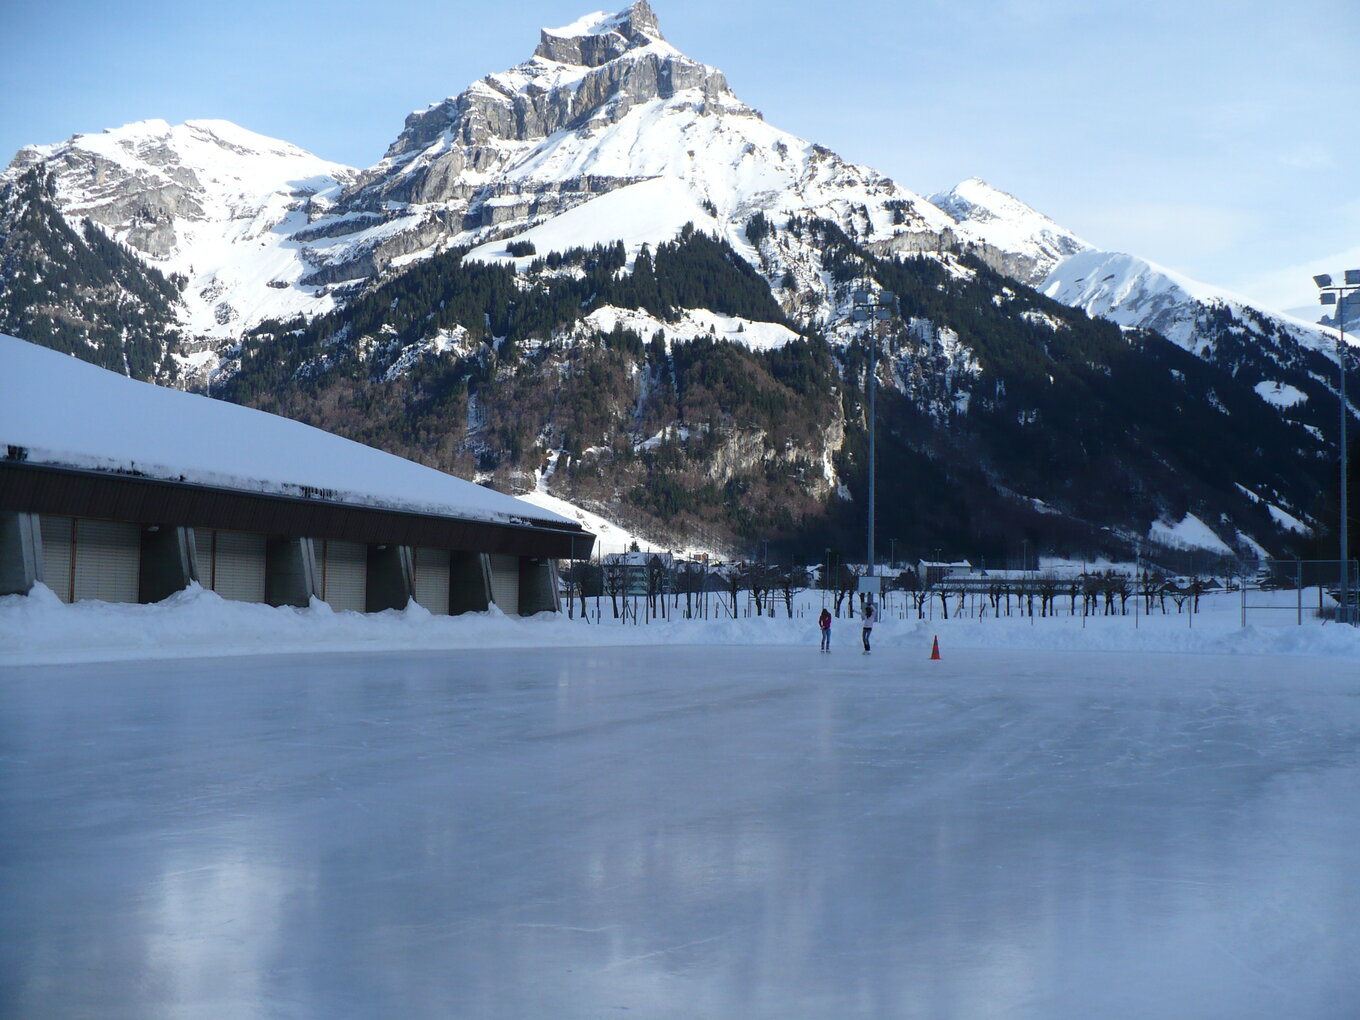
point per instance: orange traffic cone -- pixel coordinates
(935, 651)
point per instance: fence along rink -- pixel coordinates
(1307, 580)
(680, 590)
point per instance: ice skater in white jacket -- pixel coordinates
(870, 618)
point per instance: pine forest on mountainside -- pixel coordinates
(1114, 430)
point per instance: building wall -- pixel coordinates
(84, 558)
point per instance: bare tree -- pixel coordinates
(847, 580)
(910, 582)
(734, 580)
(583, 580)
(757, 580)
(656, 583)
(1114, 585)
(791, 581)
(616, 584)
(1148, 583)
(1090, 593)
(689, 580)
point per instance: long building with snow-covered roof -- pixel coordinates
(115, 489)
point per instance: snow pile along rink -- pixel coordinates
(39, 628)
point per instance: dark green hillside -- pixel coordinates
(77, 291)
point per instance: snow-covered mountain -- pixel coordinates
(261, 229)
(1027, 245)
(604, 105)
(498, 278)
(206, 201)
(605, 114)
(1014, 238)
(1134, 292)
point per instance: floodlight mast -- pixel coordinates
(1339, 295)
(875, 309)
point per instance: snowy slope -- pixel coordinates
(207, 200)
(164, 433)
(691, 323)
(1134, 292)
(986, 215)
(644, 213)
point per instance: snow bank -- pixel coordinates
(38, 628)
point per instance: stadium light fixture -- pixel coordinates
(876, 308)
(1342, 296)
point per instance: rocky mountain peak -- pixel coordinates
(582, 78)
(599, 38)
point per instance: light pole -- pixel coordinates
(877, 309)
(1342, 296)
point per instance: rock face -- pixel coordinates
(595, 70)
(596, 40)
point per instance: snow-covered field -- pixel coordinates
(196, 623)
(722, 830)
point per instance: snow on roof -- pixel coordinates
(65, 412)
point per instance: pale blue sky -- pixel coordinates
(1207, 135)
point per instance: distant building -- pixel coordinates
(633, 571)
(932, 572)
(118, 490)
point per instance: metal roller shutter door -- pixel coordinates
(107, 557)
(346, 575)
(203, 556)
(238, 567)
(57, 536)
(432, 580)
(505, 583)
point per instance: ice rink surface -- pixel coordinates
(682, 832)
